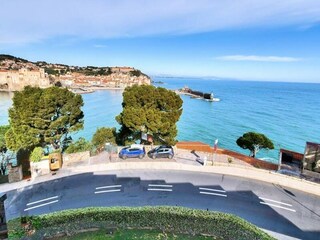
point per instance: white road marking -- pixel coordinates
(42, 200)
(41, 205)
(108, 191)
(160, 189)
(270, 200)
(215, 194)
(211, 189)
(111, 186)
(159, 185)
(277, 206)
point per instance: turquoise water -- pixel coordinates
(287, 113)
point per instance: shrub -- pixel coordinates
(36, 154)
(102, 136)
(168, 219)
(81, 145)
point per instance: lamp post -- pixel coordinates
(280, 158)
(215, 150)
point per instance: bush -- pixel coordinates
(102, 136)
(167, 219)
(36, 154)
(81, 145)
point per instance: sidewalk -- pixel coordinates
(184, 161)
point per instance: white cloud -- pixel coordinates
(99, 46)
(254, 58)
(34, 20)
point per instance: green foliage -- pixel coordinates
(102, 136)
(36, 154)
(136, 73)
(13, 58)
(41, 117)
(254, 142)
(81, 145)
(150, 110)
(167, 219)
(52, 71)
(3, 130)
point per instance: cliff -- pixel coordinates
(16, 73)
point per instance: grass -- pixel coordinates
(132, 234)
(161, 223)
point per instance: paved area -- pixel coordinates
(279, 204)
(184, 160)
(283, 212)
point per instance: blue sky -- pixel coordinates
(245, 39)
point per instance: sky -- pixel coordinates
(267, 40)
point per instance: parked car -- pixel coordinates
(132, 151)
(161, 152)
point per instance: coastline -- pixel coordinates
(87, 90)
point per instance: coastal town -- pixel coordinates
(16, 73)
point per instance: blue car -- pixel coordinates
(132, 152)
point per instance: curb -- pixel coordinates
(223, 169)
(243, 172)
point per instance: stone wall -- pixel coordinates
(14, 173)
(16, 80)
(73, 158)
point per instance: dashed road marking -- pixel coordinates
(117, 188)
(270, 200)
(108, 191)
(277, 206)
(160, 187)
(215, 194)
(42, 200)
(266, 201)
(110, 186)
(212, 191)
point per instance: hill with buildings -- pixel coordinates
(16, 73)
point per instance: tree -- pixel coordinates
(102, 136)
(151, 110)
(4, 156)
(43, 117)
(254, 142)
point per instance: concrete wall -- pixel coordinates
(198, 146)
(39, 168)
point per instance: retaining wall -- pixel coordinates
(202, 147)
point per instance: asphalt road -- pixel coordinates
(285, 213)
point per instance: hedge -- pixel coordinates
(168, 219)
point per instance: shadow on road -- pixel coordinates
(85, 190)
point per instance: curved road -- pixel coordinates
(284, 213)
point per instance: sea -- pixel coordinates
(287, 113)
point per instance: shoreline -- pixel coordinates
(87, 90)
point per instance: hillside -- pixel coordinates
(8, 62)
(15, 73)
